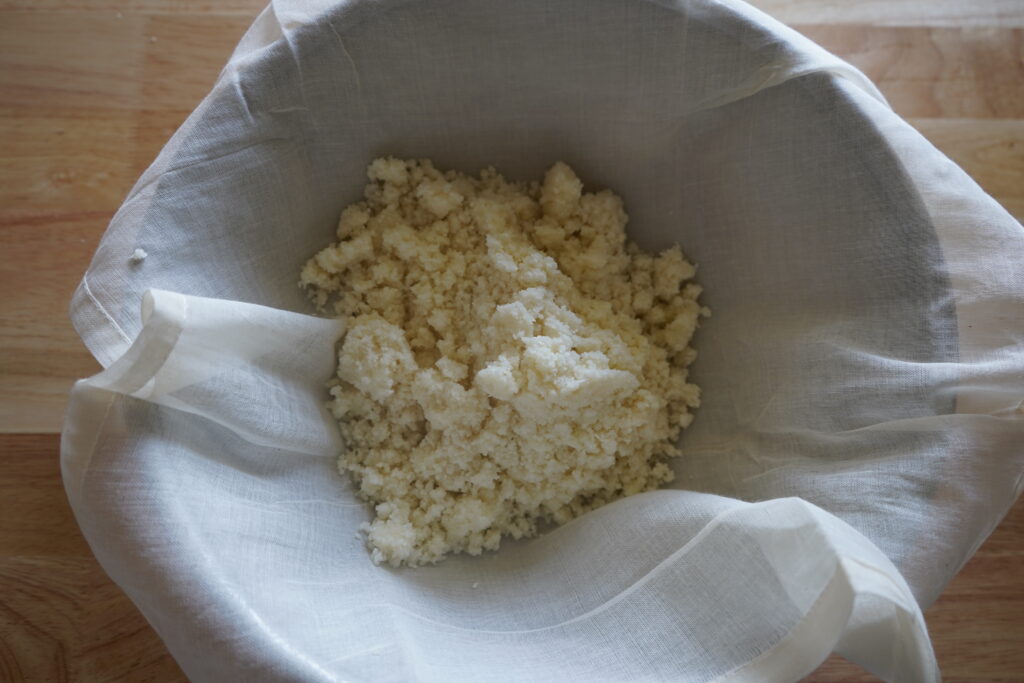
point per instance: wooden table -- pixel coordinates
(89, 92)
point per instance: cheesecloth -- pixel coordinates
(862, 373)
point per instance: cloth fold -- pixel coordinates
(860, 434)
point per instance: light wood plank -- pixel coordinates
(99, 61)
(34, 404)
(58, 609)
(990, 151)
(1004, 13)
(184, 57)
(44, 256)
(89, 61)
(70, 160)
(153, 129)
(61, 618)
(838, 670)
(936, 72)
(246, 8)
(63, 174)
(925, 72)
(87, 99)
(75, 160)
(35, 519)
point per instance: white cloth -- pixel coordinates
(862, 371)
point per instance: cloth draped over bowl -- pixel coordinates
(863, 372)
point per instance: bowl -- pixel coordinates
(858, 371)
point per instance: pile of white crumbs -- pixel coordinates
(509, 357)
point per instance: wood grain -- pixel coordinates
(61, 619)
(44, 255)
(79, 122)
(991, 151)
(102, 61)
(868, 12)
(57, 608)
(206, 8)
(913, 13)
(936, 72)
(89, 92)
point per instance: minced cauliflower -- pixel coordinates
(509, 356)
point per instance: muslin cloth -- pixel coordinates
(863, 370)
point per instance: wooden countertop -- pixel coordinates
(90, 91)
